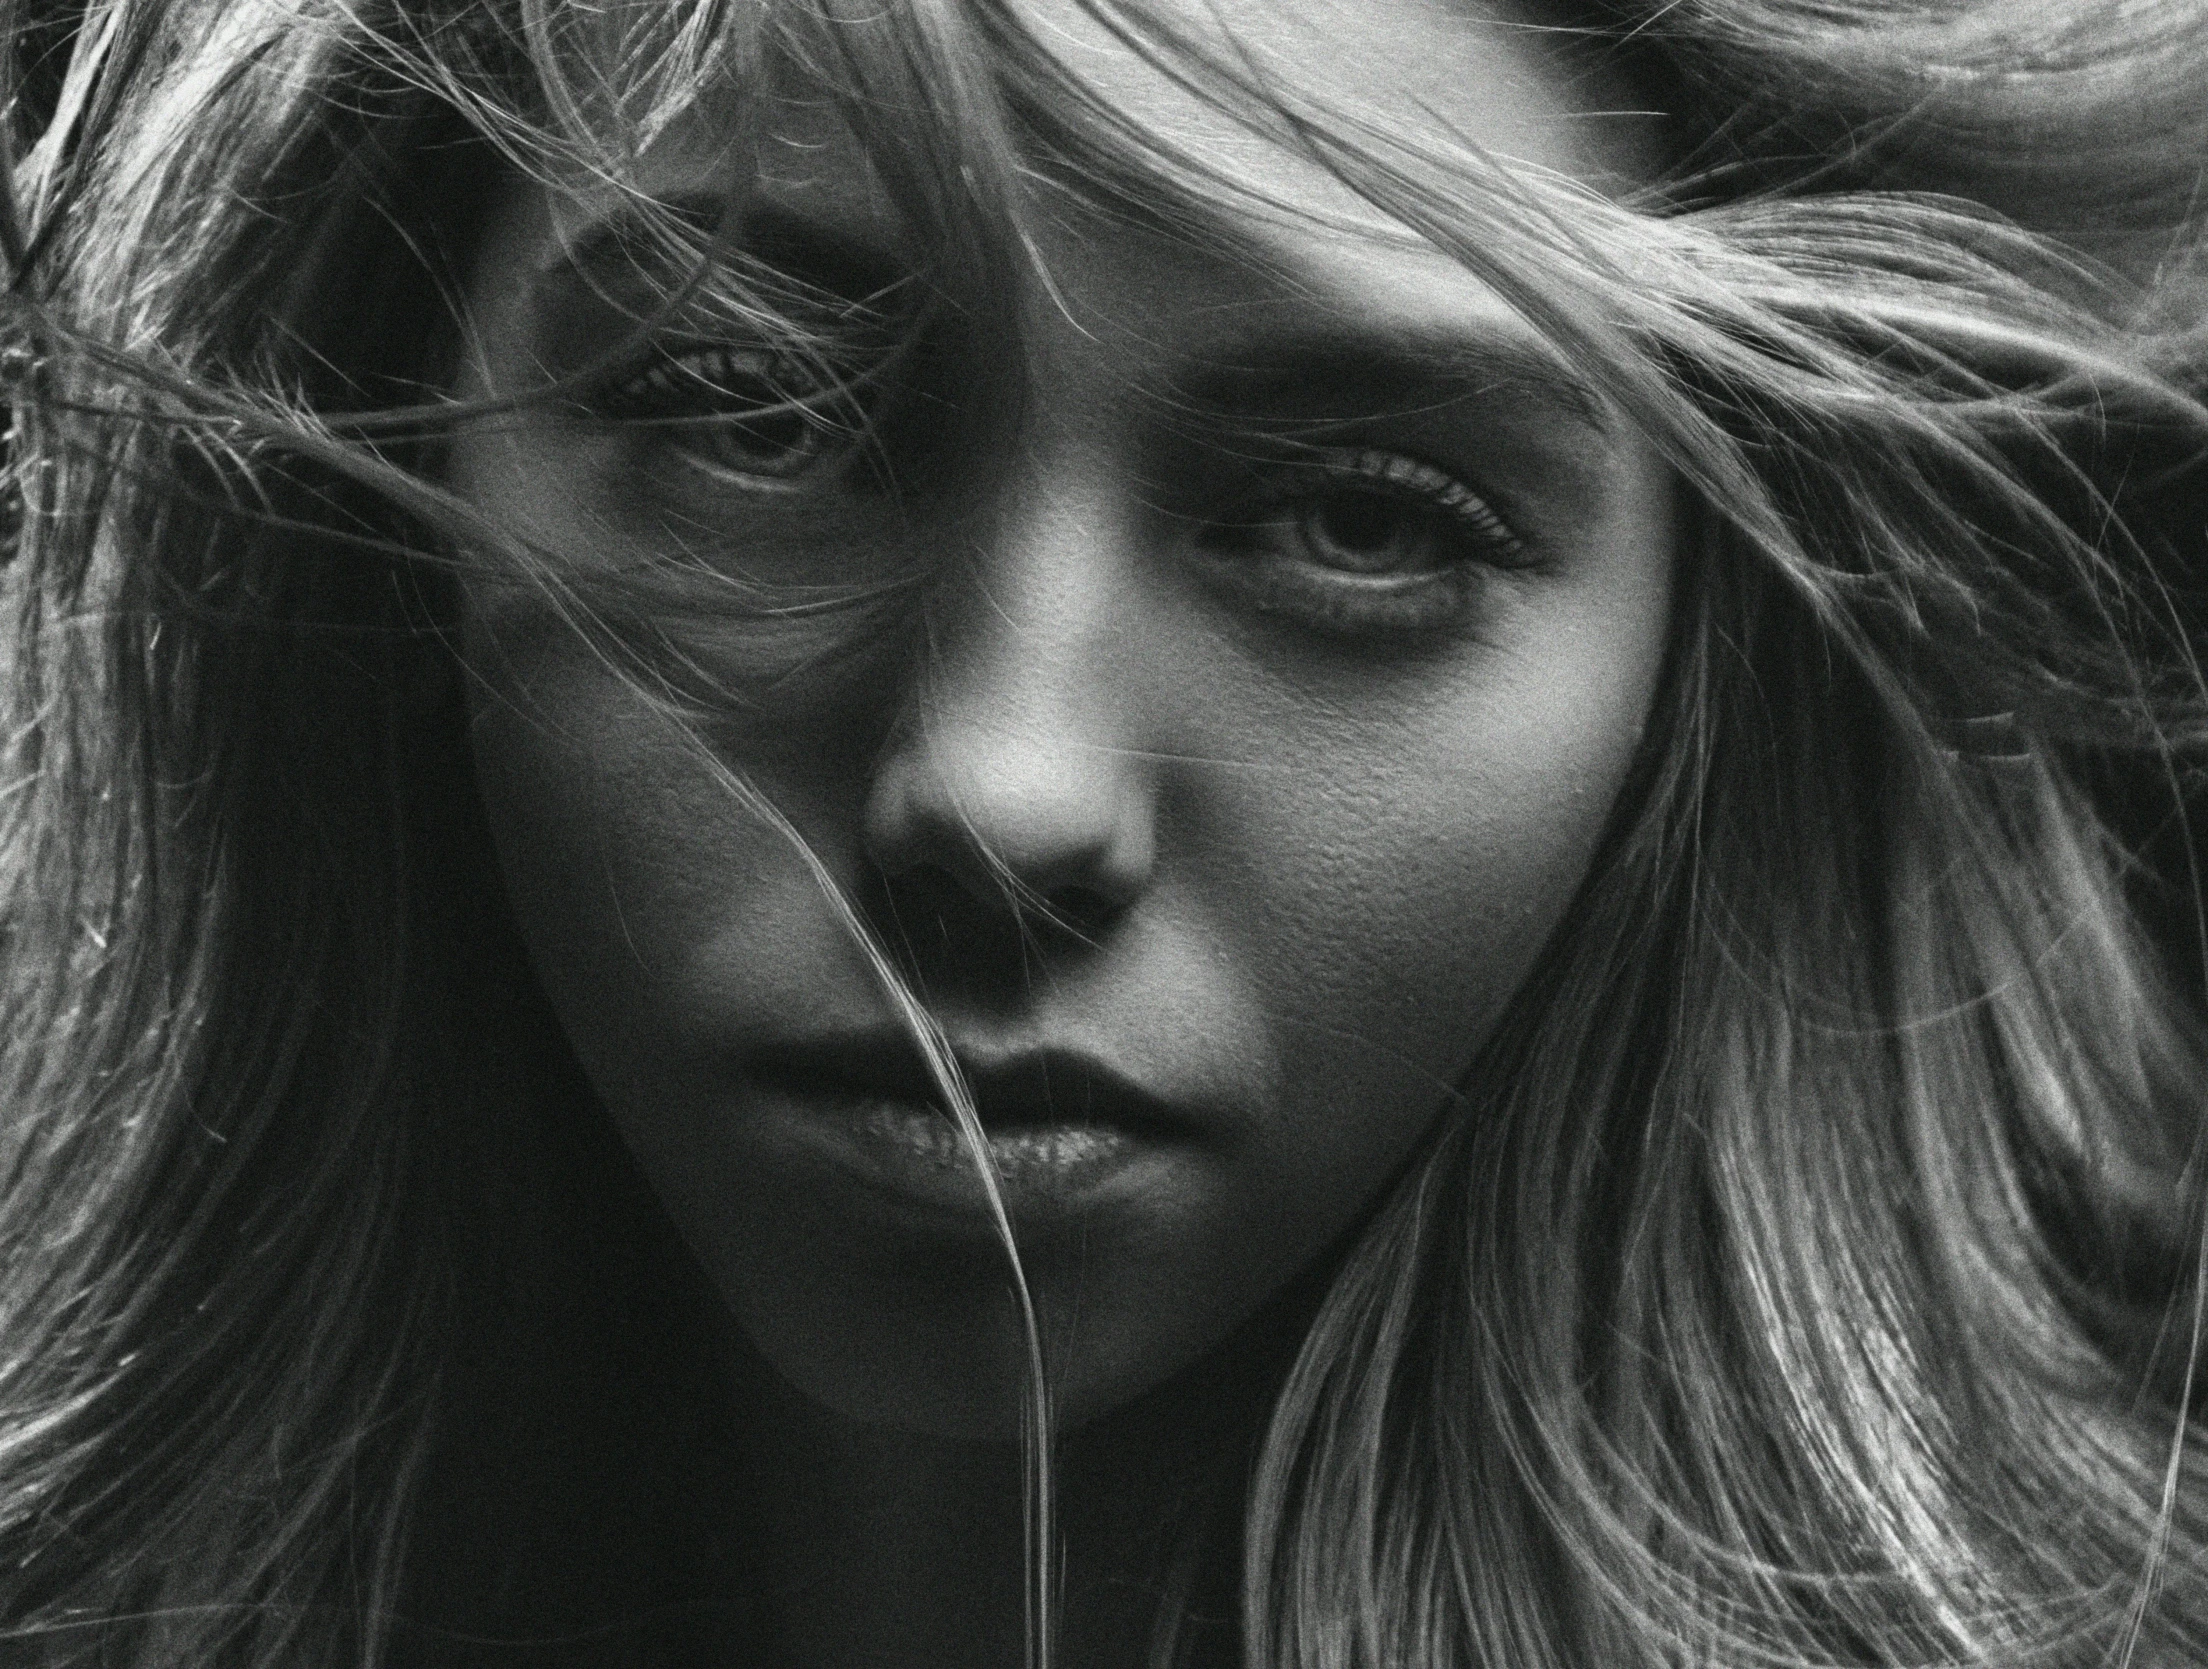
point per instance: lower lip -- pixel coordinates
(918, 1156)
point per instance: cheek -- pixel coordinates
(626, 846)
(590, 825)
(1392, 881)
(1338, 916)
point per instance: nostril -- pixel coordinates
(958, 930)
(962, 901)
(1055, 839)
(1078, 912)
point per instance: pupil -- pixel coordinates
(1364, 523)
(1368, 533)
(771, 435)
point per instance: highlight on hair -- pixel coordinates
(1812, 1271)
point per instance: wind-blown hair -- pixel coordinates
(1811, 1272)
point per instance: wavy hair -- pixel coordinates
(1812, 1273)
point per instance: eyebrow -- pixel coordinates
(1325, 370)
(1347, 371)
(623, 249)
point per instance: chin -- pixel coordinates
(956, 1369)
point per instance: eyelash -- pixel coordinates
(1275, 550)
(793, 415)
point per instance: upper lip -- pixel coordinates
(1027, 1087)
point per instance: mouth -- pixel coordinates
(1066, 1133)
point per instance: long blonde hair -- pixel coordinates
(1812, 1272)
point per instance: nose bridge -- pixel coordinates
(1030, 625)
(1017, 755)
(1024, 624)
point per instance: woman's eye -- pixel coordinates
(1360, 538)
(758, 414)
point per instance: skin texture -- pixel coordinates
(1284, 847)
(1308, 864)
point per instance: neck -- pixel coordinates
(880, 1547)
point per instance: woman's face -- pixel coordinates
(1214, 766)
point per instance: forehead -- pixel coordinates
(1523, 93)
(1499, 79)
(1504, 76)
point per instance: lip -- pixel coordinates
(1069, 1134)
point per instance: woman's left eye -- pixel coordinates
(760, 415)
(1364, 539)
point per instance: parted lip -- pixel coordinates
(1031, 1088)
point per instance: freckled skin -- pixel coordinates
(1329, 863)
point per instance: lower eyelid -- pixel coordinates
(1431, 605)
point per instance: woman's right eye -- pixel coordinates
(762, 416)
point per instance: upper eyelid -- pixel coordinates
(1261, 453)
(1374, 467)
(597, 315)
(861, 372)
(1548, 482)
(871, 341)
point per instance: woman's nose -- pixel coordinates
(1016, 772)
